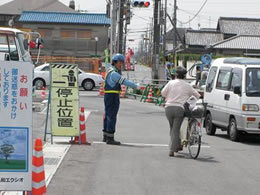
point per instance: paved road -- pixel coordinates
(141, 166)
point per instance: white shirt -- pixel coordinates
(176, 92)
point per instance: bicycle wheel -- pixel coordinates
(194, 139)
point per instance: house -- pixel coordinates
(69, 34)
(241, 45)
(170, 38)
(231, 26)
(11, 11)
(197, 41)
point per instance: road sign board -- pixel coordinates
(15, 125)
(64, 100)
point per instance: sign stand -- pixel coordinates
(63, 102)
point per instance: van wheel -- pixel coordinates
(210, 127)
(232, 130)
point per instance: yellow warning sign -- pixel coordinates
(64, 100)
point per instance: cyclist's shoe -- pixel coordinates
(171, 154)
(180, 148)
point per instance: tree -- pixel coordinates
(6, 150)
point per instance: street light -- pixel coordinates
(96, 39)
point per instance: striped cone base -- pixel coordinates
(83, 137)
(150, 95)
(38, 174)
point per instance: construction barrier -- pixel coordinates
(123, 92)
(83, 134)
(150, 95)
(101, 89)
(38, 174)
(43, 93)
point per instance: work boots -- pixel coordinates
(112, 141)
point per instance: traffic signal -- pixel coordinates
(141, 4)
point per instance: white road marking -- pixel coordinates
(143, 144)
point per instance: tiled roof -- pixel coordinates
(239, 26)
(65, 18)
(202, 38)
(251, 42)
(16, 7)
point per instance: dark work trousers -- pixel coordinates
(112, 102)
(175, 116)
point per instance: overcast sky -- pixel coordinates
(207, 18)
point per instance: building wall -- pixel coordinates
(71, 40)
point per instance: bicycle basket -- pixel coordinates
(198, 111)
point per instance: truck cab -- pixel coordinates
(13, 46)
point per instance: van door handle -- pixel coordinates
(227, 96)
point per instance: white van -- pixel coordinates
(13, 46)
(233, 96)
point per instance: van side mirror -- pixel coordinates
(237, 90)
(25, 44)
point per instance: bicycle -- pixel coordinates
(194, 129)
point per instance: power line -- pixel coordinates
(141, 17)
(196, 13)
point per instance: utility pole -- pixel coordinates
(113, 37)
(156, 41)
(175, 32)
(121, 26)
(165, 29)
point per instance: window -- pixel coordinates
(211, 78)
(236, 80)
(223, 79)
(46, 68)
(68, 34)
(84, 34)
(45, 32)
(253, 82)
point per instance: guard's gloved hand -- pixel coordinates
(138, 86)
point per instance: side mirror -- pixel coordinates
(25, 44)
(237, 90)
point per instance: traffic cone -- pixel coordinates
(150, 95)
(38, 174)
(43, 93)
(83, 137)
(101, 89)
(122, 94)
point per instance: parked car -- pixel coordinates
(233, 96)
(86, 80)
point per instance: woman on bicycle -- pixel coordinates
(176, 92)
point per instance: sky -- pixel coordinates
(207, 18)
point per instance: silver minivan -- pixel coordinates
(233, 96)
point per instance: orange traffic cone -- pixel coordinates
(101, 89)
(150, 95)
(43, 93)
(122, 94)
(38, 174)
(83, 137)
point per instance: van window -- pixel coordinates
(253, 82)
(236, 80)
(223, 79)
(211, 78)
(8, 45)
